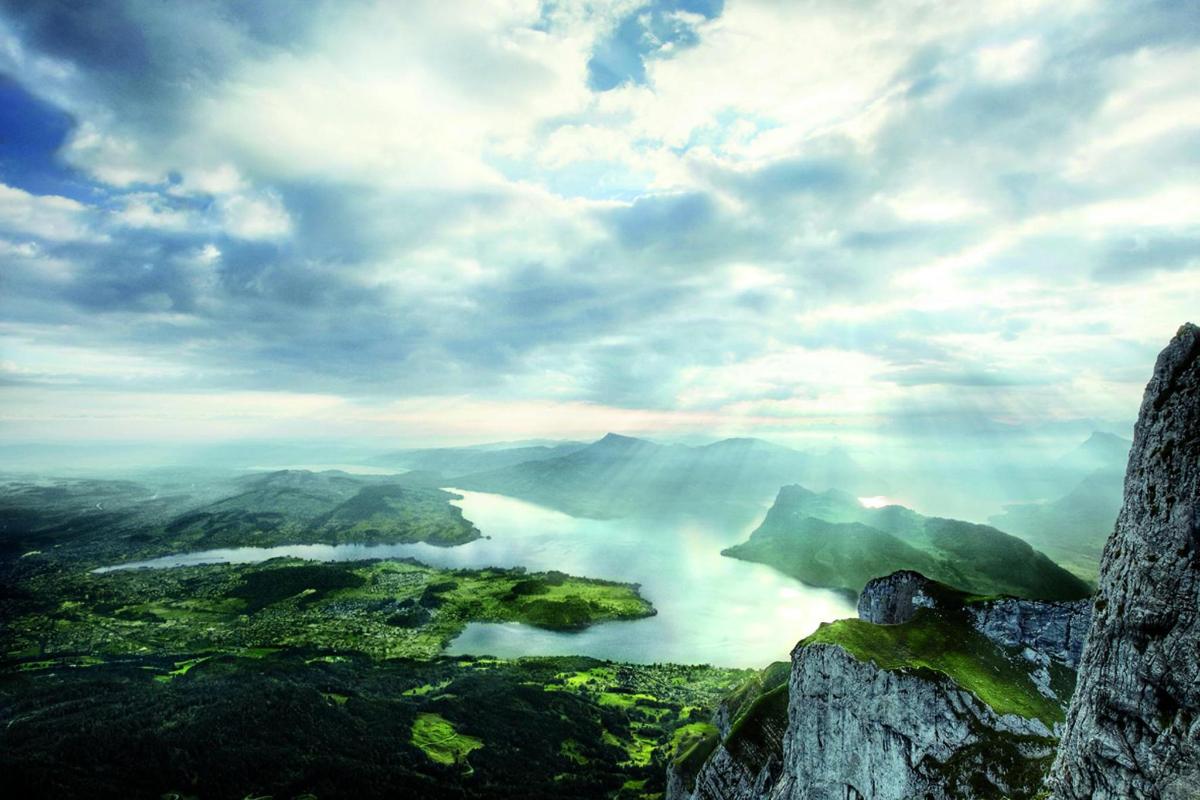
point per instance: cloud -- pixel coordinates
(653, 30)
(749, 211)
(42, 216)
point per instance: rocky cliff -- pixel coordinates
(746, 760)
(882, 733)
(1134, 725)
(895, 598)
(931, 693)
(1055, 630)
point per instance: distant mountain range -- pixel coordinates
(830, 539)
(113, 520)
(452, 461)
(1073, 528)
(620, 475)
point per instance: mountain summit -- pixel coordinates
(1133, 729)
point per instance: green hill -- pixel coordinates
(1073, 528)
(830, 539)
(107, 521)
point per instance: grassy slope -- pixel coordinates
(439, 740)
(831, 540)
(944, 643)
(103, 522)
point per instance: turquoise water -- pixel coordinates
(711, 609)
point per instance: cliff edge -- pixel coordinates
(1133, 727)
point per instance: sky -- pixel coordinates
(440, 222)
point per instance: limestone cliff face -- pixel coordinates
(856, 731)
(730, 773)
(1133, 729)
(852, 730)
(1054, 629)
(894, 598)
(1057, 630)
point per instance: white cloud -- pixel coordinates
(949, 174)
(254, 216)
(151, 210)
(1012, 61)
(400, 100)
(43, 216)
(114, 159)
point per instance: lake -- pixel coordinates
(711, 609)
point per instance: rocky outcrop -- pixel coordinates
(740, 775)
(857, 731)
(894, 599)
(751, 725)
(1133, 729)
(1054, 629)
(851, 728)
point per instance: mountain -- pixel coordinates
(323, 507)
(830, 539)
(1072, 529)
(620, 475)
(1101, 451)
(1132, 729)
(108, 521)
(929, 693)
(452, 461)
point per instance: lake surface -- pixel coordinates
(711, 609)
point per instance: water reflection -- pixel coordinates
(711, 609)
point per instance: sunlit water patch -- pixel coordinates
(711, 609)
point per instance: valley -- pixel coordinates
(414, 615)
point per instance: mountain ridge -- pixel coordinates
(830, 539)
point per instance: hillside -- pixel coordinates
(829, 539)
(1073, 528)
(621, 475)
(453, 461)
(126, 520)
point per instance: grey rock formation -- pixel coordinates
(1133, 730)
(854, 730)
(1057, 630)
(1054, 629)
(736, 775)
(893, 599)
(857, 731)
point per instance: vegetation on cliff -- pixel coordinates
(943, 642)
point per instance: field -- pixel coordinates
(384, 609)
